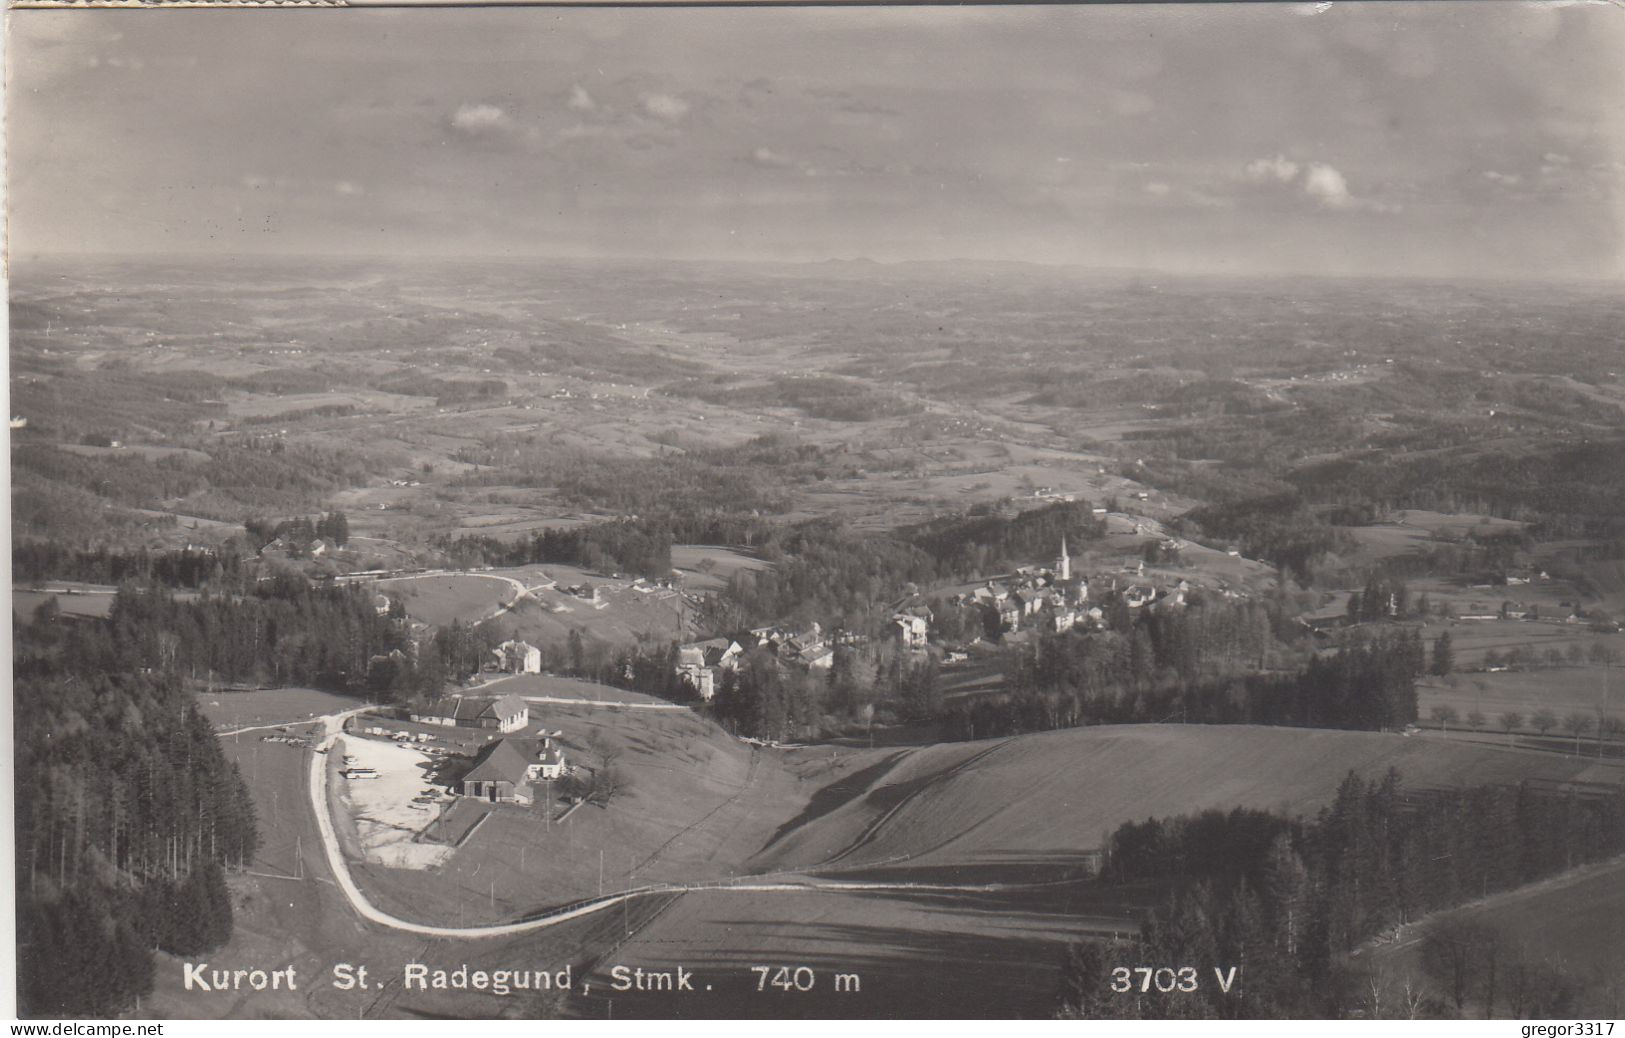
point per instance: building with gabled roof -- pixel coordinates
(517, 657)
(501, 774)
(506, 770)
(700, 664)
(507, 713)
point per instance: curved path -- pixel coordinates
(520, 591)
(873, 828)
(332, 724)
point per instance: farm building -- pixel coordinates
(505, 770)
(501, 774)
(518, 657)
(507, 714)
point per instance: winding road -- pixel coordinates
(332, 725)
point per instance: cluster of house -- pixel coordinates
(286, 547)
(505, 769)
(700, 665)
(1054, 599)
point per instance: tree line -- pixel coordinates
(1286, 900)
(36, 561)
(286, 632)
(1189, 674)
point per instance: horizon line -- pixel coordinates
(15, 257)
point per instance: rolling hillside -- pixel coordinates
(1042, 802)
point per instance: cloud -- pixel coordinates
(474, 119)
(1319, 182)
(580, 100)
(346, 187)
(665, 106)
(1509, 179)
(1279, 168)
(1158, 188)
(1327, 186)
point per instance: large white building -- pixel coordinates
(518, 657)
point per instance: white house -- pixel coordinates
(700, 664)
(912, 631)
(518, 657)
(507, 714)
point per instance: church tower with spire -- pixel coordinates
(1063, 565)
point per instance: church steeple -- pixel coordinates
(1063, 565)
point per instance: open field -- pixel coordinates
(949, 805)
(1471, 639)
(1572, 919)
(623, 617)
(913, 954)
(1457, 526)
(707, 567)
(1561, 690)
(555, 687)
(440, 599)
(25, 603)
(249, 405)
(135, 450)
(270, 706)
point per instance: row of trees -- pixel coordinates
(37, 561)
(1285, 900)
(1077, 679)
(635, 546)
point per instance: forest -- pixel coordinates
(286, 633)
(39, 561)
(1286, 900)
(1191, 667)
(128, 814)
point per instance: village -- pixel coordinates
(420, 777)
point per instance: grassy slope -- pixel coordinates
(441, 599)
(1043, 800)
(271, 706)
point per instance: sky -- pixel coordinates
(1428, 139)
